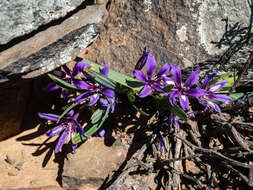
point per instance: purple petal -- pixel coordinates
(49, 116)
(164, 70)
(65, 93)
(104, 102)
(93, 99)
(101, 132)
(219, 97)
(214, 106)
(176, 72)
(62, 140)
(184, 102)
(55, 131)
(74, 147)
(151, 65)
(81, 84)
(105, 70)
(208, 79)
(70, 113)
(139, 75)
(217, 86)
(142, 61)
(108, 92)
(168, 81)
(82, 97)
(79, 67)
(196, 92)
(51, 87)
(173, 96)
(157, 88)
(147, 90)
(80, 129)
(66, 69)
(192, 79)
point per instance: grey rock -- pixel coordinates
(51, 48)
(211, 27)
(20, 17)
(52, 56)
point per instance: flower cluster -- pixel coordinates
(167, 84)
(182, 91)
(91, 90)
(68, 126)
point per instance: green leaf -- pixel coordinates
(220, 78)
(131, 98)
(97, 115)
(168, 88)
(63, 84)
(68, 109)
(90, 129)
(250, 94)
(119, 78)
(236, 96)
(176, 110)
(139, 110)
(103, 80)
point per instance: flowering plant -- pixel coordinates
(98, 87)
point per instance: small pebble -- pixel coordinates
(11, 174)
(9, 160)
(19, 166)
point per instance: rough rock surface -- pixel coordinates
(27, 162)
(211, 27)
(93, 161)
(23, 168)
(52, 47)
(21, 17)
(178, 32)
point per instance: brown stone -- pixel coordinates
(167, 27)
(33, 175)
(178, 32)
(91, 164)
(191, 167)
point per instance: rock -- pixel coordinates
(21, 17)
(28, 148)
(13, 103)
(52, 47)
(178, 32)
(211, 27)
(91, 164)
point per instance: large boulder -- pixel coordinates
(89, 167)
(54, 44)
(21, 17)
(178, 32)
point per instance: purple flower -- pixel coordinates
(173, 120)
(69, 125)
(158, 82)
(101, 132)
(68, 76)
(94, 91)
(109, 103)
(211, 93)
(182, 91)
(161, 145)
(142, 61)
